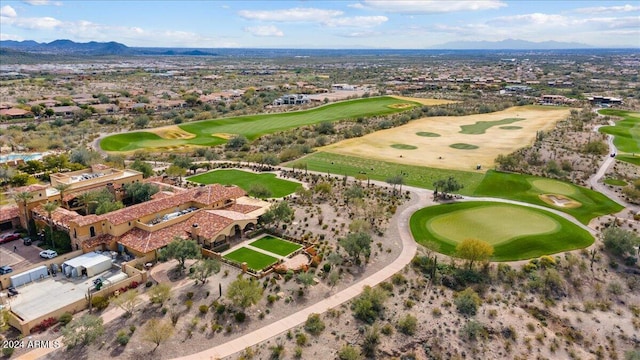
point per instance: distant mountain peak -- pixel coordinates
(510, 44)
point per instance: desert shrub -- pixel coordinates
(314, 324)
(240, 316)
(348, 352)
(65, 318)
(387, 329)
(301, 339)
(472, 330)
(467, 302)
(148, 284)
(369, 305)
(99, 302)
(408, 324)
(122, 337)
(203, 309)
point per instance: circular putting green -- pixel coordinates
(463, 146)
(510, 127)
(427, 134)
(516, 232)
(404, 147)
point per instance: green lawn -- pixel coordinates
(381, 170)
(276, 245)
(253, 126)
(244, 179)
(516, 232)
(481, 126)
(404, 147)
(463, 146)
(635, 160)
(255, 260)
(526, 188)
(626, 132)
(615, 182)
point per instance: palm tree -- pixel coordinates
(50, 207)
(23, 198)
(86, 199)
(62, 188)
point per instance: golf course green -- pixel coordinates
(217, 131)
(626, 132)
(528, 188)
(516, 232)
(244, 179)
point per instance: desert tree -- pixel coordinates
(244, 292)
(50, 207)
(127, 301)
(205, 268)
(159, 293)
(157, 331)
(474, 250)
(357, 244)
(83, 330)
(181, 250)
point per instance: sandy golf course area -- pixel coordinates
(455, 142)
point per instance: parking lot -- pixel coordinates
(23, 256)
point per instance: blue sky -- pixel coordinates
(321, 24)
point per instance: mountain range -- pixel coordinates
(93, 48)
(510, 44)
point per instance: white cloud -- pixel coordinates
(41, 23)
(608, 9)
(267, 30)
(356, 6)
(291, 15)
(42, 2)
(534, 19)
(356, 21)
(431, 6)
(4, 36)
(8, 11)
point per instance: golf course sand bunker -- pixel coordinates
(559, 201)
(437, 151)
(172, 132)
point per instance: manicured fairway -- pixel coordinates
(255, 260)
(245, 179)
(615, 182)
(382, 170)
(635, 160)
(527, 188)
(626, 132)
(215, 132)
(427, 134)
(481, 127)
(276, 245)
(516, 232)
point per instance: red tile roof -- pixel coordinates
(99, 240)
(30, 188)
(9, 212)
(242, 208)
(143, 241)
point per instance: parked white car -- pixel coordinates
(48, 254)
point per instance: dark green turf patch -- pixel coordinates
(245, 179)
(635, 160)
(481, 127)
(276, 245)
(510, 127)
(255, 260)
(427, 134)
(424, 177)
(463, 146)
(626, 132)
(615, 182)
(404, 147)
(568, 237)
(520, 187)
(254, 126)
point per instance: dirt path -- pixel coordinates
(409, 247)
